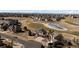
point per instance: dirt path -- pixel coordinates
(69, 26)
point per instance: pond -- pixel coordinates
(56, 26)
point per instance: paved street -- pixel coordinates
(27, 44)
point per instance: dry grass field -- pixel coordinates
(73, 30)
(71, 24)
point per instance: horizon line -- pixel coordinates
(42, 11)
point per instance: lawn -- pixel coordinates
(36, 26)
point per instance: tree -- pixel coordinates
(4, 26)
(60, 41)
(50, 45)
(42, 46)
(59, 37)
(51, 31)
(25, 28)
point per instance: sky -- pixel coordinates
(39, 5)
(42, 11)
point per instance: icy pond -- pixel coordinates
(56, 26)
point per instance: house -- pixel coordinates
(41, 32)
(42, 40)
(15, 26)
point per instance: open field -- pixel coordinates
(68, 27)
(72, 28)
(32, 25)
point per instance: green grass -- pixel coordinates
(37, 26)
